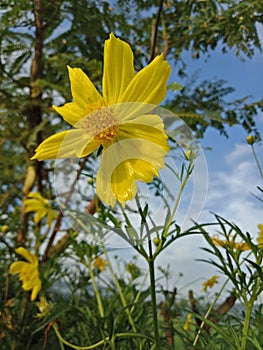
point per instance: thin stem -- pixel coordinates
(150, 260)
(155, 31)
(208, 312)
(101, 342)
(181, 189)
(153, 298)
(123, 300)
(245, 331)
(116, 281)
(257, 161)
(96, 290)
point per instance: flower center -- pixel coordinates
(100, 122)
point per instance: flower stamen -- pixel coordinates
(100, 123)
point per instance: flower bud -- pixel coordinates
(250, 139)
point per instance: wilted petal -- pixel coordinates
(124, 162)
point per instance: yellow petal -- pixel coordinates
(88, 148)
(82, 89)
(33, 205)
(118, 69)
(149, 85)
(36, 290)
(146, 119)
(71, 112)
(40, 214)
(145, 131)
(27, 255)
(38, 196)
(65, 144)
(124, 176)
(52, 215)
(17, 266)
(150, 157)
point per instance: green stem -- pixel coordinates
(96, 290)
(150, 260)
(181, 189)
(99, 343)
(208, 312)
(245, 331)
(123, 300)
(153, 297)
(257, 161)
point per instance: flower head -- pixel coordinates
(188, 322)
(44, 307)
(4, 229)
(210, 282)
(230, 243)
(38, 204)
(133, 270)
(118, 121)
(251, 139)
(28, 271)
(100, 264)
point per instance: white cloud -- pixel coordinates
(231, 190)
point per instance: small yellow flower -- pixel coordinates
(4, 229)
(188, 322)
(40, 205)
(133, 270)
(230, 243)
(118, 121)
(260, 236)
(210, 282)
(189, 154)
(250, 139)
(100, 263)
(156, 241)
(44, 307)
(28, 271)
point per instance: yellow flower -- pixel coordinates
(188, 322)
(242, 246)
(260, 236)
(156, 241)
(117, 122)
(133, 270)
(44, 307)
(99, 263)
(189, 154)
(40, 206)
(28, 271)
(210, 282)
(4, 229)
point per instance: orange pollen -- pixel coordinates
(101, 124)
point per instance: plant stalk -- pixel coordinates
(153, 298)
